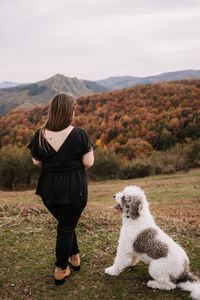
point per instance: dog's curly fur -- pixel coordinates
(142, 240)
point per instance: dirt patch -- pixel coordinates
(16, 194)
(185, 214)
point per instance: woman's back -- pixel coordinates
(62, 178)
(56, 139)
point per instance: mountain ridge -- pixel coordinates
(8, 84)
(43, 91)
(120, 82)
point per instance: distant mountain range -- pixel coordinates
(8, 84)
(120, 82)
(43, 91)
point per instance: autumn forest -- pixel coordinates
(131, 122)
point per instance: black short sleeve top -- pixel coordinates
(62, 178)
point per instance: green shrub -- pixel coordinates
(136, 168)
(157, 163)
(175, 157)
(107, 165)
(16, 167)
(193, 154)
(169, 169)
(179, 158)
(143, 168)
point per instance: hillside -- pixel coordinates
(43, 91)
(121, 82)
(132, 121)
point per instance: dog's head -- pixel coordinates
(131, 201)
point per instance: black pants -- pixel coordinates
(66, 240)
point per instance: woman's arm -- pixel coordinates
(88, 159)
(36, 162)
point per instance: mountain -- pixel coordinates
(8, 84)
(121, 82)
(43, 91)
(130, 121)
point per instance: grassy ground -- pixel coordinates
(28, 235)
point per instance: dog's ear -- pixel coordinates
(133, 206)
(123, 200)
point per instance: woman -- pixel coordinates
(63, 152)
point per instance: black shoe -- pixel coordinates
(75, 268)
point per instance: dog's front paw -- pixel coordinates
(152, 284)
(111, 271)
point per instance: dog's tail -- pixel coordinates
(191, 284)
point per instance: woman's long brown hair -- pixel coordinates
(60, 115)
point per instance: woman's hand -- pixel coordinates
(36, 162)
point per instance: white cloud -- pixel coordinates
(93, 39)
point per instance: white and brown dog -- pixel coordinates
(142, 240)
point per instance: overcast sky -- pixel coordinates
(95, 39)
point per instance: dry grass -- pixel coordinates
(28, 235)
